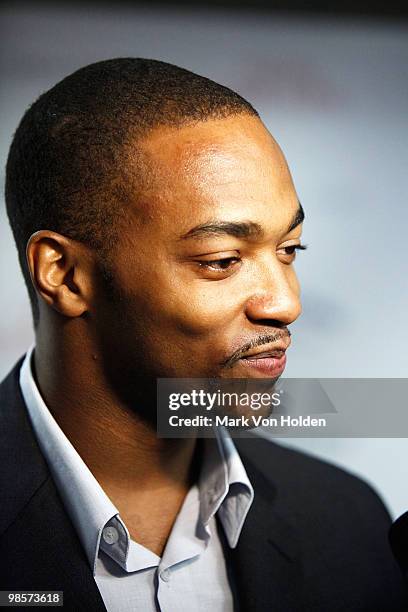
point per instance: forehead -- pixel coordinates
(229, 168)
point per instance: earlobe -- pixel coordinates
(55, 272)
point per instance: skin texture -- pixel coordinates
(175, 309)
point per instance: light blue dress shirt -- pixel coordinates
(191, 576)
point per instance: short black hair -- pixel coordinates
(65, 165)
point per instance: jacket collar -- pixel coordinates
(266, 562)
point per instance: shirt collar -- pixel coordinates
(84, 499)
(224, 487)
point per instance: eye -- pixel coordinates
(288, 253)
(220, 265)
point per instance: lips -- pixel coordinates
(269, 365)
(268, 362)
(276, 354)
(261, 359)
(275, 349)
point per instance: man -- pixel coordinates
(157, 224)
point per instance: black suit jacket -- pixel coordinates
(315, 537)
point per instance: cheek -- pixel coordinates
(180, 332)
(170, 302)
(196, 309)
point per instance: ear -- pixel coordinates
(60, 272)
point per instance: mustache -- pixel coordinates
(264, 339)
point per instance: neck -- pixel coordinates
(120, 448)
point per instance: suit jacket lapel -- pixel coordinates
(266, 562)
(44, 531)
(36, 525)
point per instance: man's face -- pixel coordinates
(204, 266)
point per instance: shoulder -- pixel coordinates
(304, 482)
(22, 467)
(332, 525)
(338, 521)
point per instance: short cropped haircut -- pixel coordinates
(66, 169)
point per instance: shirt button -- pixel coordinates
(110, 535)
(165, 575)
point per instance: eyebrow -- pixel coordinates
(243, 229)
(297, 219)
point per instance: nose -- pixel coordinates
(275, 299)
